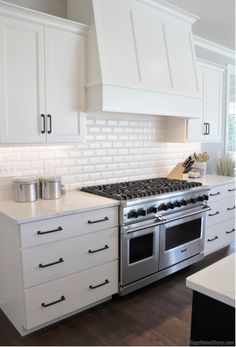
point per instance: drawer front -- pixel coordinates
(55, 299)
(52, 261)
(218, 236)
(56, 229)
(222, 192)
(221, 210)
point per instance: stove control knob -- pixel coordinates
(183, 202)
(205, 197)
(152, 209)
(163, 207)
(200, 198)
(170, 205)
(177, 203)
(141, 212)
(192, 201)
(132, 214)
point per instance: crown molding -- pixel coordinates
(214, 47)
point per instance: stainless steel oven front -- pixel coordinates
(139, 252)
(181, 237)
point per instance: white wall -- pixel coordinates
(54, 7)
(118, 148)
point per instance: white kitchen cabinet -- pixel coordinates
(220, 224)
(208, 128)
(42, 78)
(22, 82)
(55, 267)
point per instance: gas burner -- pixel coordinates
(140, 189)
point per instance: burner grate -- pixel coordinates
(140, 189)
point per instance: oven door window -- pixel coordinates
(182, 233)
(141, 248)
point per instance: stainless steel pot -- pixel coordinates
(50, 188)
(25, 190)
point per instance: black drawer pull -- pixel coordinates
(49, 231)
(214, 214)
(232, 190)
(61, 260)
(54, 302)
(99, 285)
(230, 208)
(215, 238)
(183, 250)
(98, 250)
(218, 193)
(98, 221)
(231, 231)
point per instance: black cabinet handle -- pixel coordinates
(214, 214)
(98, 221)
(215, 238)
(99, 285)
(54, 302)
(231, 231)
(232, 190)
(98, 250)
(50, 123)
(49, 231)
(218, 193)
(44, 125)
(61, 260)
(230, 208)
(205, 129)
(183, 250)
(208, 128)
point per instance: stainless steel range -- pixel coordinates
(162, 226)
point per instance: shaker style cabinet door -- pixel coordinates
(64, 67)
(22, 85)
(208, 128)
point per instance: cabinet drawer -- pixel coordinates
(221, 192)
(55, 299)
(218, 236)
(221, 210)
(56, 229)
(52, 261)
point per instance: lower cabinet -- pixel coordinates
(220, 225)
(57, 298)
(55, 267)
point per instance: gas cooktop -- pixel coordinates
(140, 189)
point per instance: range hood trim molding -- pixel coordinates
(172, 10)
(109, 98)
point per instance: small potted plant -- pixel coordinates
(225, 166)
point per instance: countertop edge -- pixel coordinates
(212, 294)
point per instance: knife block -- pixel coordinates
(177, 173)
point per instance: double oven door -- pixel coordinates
(182, 237)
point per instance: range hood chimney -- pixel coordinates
(140, 57)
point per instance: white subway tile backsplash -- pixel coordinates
(119, 147)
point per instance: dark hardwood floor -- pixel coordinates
(157, 315)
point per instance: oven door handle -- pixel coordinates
(132, 230)
(207, 208)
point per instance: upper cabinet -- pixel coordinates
(140, 57)
(208, 128)
(42, 78)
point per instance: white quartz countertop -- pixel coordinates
(71, 202)
(213, 180)
(216, 281)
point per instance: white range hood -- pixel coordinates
(141, 57)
